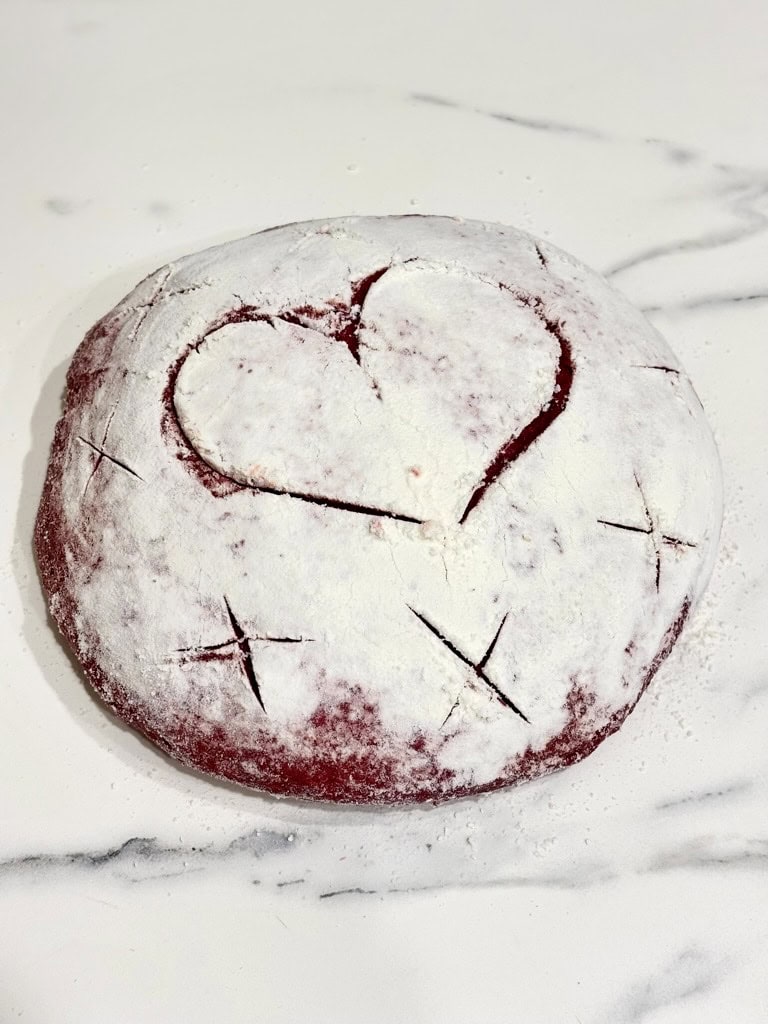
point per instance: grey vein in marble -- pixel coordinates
(744, 204)
(60, 206)
(707, 302)
(706, 796)
(691, 973)
(751, 852)
(579, 880)
(538, 124)
(672, 151)
(356, 891)
(143, 858)
(677, 154)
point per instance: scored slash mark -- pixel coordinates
(99, 449)
(342, 506)
(675, 542)
(240, 645)
(624, 526)
(520, 443)
(453, 708)
(487, 656)
(246, 655)
(664, 369)
(143, 309)
(348, 332)
(477, 667)
(651, 529)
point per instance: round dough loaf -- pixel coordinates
(377, 509)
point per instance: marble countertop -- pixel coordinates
(632, 887)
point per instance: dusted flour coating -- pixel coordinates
(377, 509)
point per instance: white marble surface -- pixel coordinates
(632, 887)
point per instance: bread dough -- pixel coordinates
(377, 509)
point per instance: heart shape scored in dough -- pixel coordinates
(407, 401)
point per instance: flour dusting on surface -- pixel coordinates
(376, 510)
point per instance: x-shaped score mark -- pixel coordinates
(478, 667)
(239, 646)
(651, 530)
